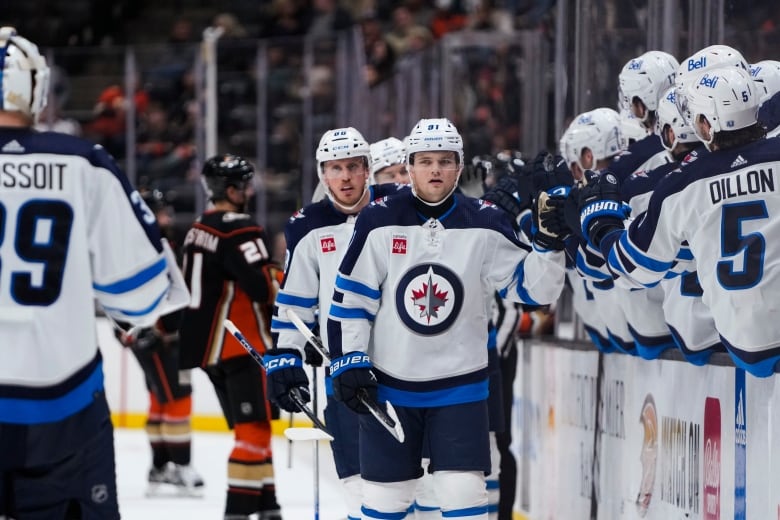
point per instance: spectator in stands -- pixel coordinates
(448, 17)
(406, 34)
(380, 57)
(108, 126)
(285, 18)
(328, 17)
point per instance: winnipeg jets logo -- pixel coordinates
(486, 204)
(429, 298)
(297, 216)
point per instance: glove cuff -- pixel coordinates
(348, 362)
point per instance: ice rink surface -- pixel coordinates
(294, 485)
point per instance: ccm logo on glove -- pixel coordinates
(276, 362)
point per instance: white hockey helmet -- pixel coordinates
(766, 75)
(647, 77)
(669, 115)
(714, 56)
(631, 128)
(25, 75)
(387, 152)
(341, 143)
(434, 135)
(727, 97)
(598, 131)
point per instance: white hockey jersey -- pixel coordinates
(725, 205)
(71, 229)
(317, 237)
(416, 294)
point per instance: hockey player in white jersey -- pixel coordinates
(72, 229)
(641, 83)
(723, 205)
(408, 324)
(591, 142)
(388, 161)
(317, 238)
(689, 320)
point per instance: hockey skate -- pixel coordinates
(174, 479)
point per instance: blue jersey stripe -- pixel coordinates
(32, 411)
(457, 395)
(642, 259)
(135, 281)
(357, 288)
(349, 313)
(295, 301)
(140, 312)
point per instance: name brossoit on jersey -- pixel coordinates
(72, 230)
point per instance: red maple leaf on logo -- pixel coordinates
(429, 300)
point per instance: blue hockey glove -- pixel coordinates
(550, 225)
(284, 371)
(601, 208)
(351, 374)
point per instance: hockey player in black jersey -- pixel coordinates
(231, 276)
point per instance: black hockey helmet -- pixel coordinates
(155, 199)
(226, 170)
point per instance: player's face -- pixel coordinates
(395, 173)
(434, 175)
(346, 179)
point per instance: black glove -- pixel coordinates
(312, 356)
(145, 339)
(550, 222)
(351, 375)
(551, 174)
(601, 208)
(284, 371)
(512, 193)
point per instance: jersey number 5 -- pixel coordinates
(747, 270)
(41, 237)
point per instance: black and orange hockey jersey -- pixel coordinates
(230, 275)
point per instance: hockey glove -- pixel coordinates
(351, 374)
(512, 193)
(312, 356)
(551, 174)
(601, 208)
(284, 371)
(550, 222)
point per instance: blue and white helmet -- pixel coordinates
(597, 130)
(387, 152)
(25, 75)
(766, 75)
(727, 97)
(669, 116)
(434, 135)
(647, 77)
(341, 143)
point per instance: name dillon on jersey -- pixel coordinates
(742, 183)
(37, 175)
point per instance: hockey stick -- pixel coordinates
(294, 393)
(388, 419)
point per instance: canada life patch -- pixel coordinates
(328, 244)
(399, 245)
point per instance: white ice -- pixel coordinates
(294, 485)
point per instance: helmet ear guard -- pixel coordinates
(25, 75)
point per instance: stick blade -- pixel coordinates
(307, 434)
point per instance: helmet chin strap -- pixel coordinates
(342, 207)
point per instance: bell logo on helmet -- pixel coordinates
(708, 81)
(635, 65)
(697, 64)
